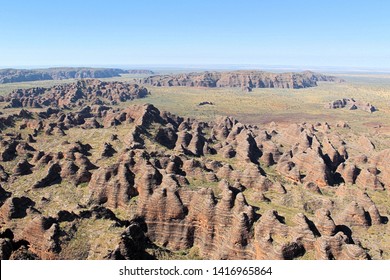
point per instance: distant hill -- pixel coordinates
(28, 75)
(244, 79)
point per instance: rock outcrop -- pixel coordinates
(113, 185)
(351, 104)
(77, 94)
(240, 79)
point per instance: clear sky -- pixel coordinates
(140, 32)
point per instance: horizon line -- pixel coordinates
(184, 66)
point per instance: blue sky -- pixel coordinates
(301, 33)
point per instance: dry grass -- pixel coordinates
(280, 105)
(92, 240)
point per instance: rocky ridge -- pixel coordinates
(27, 75)
(246, 80)
(77, 94)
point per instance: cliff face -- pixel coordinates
(26, 75)
(242, 79)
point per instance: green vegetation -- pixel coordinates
(162, 253)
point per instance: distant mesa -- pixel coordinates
(247, 80)
(29, 75)
(80, 93)
(351, 104)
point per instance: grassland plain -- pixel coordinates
(283, 105)
(262, 106)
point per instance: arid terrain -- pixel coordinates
(213, 165)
